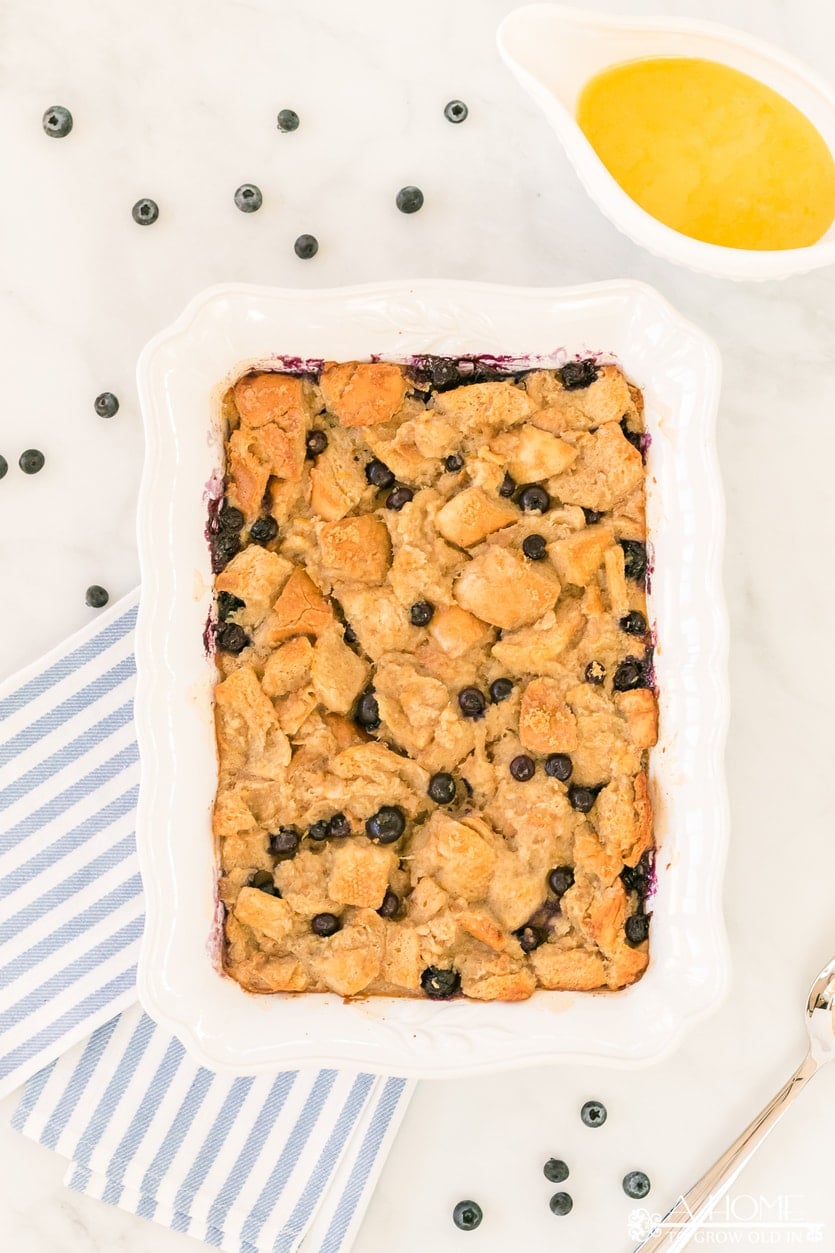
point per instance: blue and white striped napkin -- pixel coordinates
(279, 1163)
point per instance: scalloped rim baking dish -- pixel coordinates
(181, 374)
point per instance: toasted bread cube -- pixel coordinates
(626, 964)
(288, 667)
(472, 515)
(357, 549)
(248, 472)
(255, 576)
(337, 480)
(479, 405)
(364, 393)
(338, 674)
(607, 399)
(623, 814)
(502, 588)
(573, 969)
(531, 648)
(481, 925)
(379, 620)
(459, 858)
(616, 581)
(301, 609)
(532, 455)
(360, 872)
(269, 914)
(546, 724)
(640, 709)
(274, 412)
(348, 961)
(607, 469)
(455, 631)
(577, 557)
(401, 957)
(487, 976)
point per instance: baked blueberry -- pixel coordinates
(378, 474)
(636, 1185)
(31, 461)
(387, 825)
(399, 497)
(454, 462)
(57, 122)
(145, 212)
(264, 882)
(263, 530)
(367, 712)
(287, 120)
(440, 984)
(229, 518)
(318, 830)
(349, 634)
(555, 1170)
(634, 623)
(471, 702)
(634, 559)
(409, 199)
(635, 438)
(595, 672)
(561, 1204)
(522, 768)
(306, 247)
(4, 467)
(594, 1113)
(529, 938)
(533, 546)
(223, 548)
(248, 198)
(442, 788)
(421, 613)
(106, 405)
(577, 374)
(637, 928)
(231, 638)
(534, 499)
(284, 843)
(582, 798)
(390, 907)
(500, 689)
(96, 597)
(339, 827)
(324, 924)
(507, 486)
(629, 675)
(637, 878)
(467, 1215)
(228, 604)
(592, 516)
(456, 111)
(559, 766)
(560, 880)
(315, 443)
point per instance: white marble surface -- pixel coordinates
(177, 101)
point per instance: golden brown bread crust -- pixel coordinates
(307, 765)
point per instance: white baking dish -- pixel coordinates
(180, 371)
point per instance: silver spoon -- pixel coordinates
(683, 1220)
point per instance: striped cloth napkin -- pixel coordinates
(279, 1163)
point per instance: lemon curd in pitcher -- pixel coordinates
(711, 152)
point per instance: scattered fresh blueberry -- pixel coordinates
(555, 1171)
(318, 830)
(635, 438)
(378, 474)
(582, 798)
(629, 674)
(529, 938)
(390, 907)
(287, 120)
(284, 843)
(454, 463)
(634, 623)
(534, 499)
(264, 882)
(559, 766)
(387, 825)
(421, 613)
(442, 788)
(106, 405)
(594, 1113)
(248, 198)
(635, 559)
(500, 689)
(4, 467)
(145, 212)
(339, 827)
(306, 246)
(595, 672)
(560, 880)
(231, 638)
(533, 546)
(467, 1215)
(637, 928)
(31, 461)
(456, 111)
(471, 702)
(324, 924)
(368, 711)
(57, 122)
(636, 1185)
(577, 374)
(399, 497)
(592, 516)
(440, 984)
(561, 1204)
(409, 199)
(316, 443)
(229, 518)
(263, 530)
(96, 597)
(507, 486)
(523, 768)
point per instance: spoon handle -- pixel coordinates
(677, 1227)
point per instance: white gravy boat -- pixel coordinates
(553, 50)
